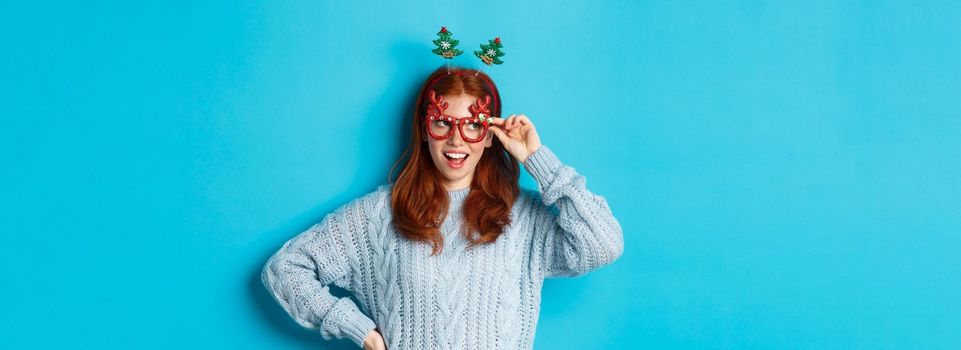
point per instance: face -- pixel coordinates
(454, 157)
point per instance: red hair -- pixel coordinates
(418, 198)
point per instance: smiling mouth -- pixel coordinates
(456, 162)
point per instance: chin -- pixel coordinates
(454, 174)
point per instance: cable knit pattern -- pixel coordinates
(487, 297)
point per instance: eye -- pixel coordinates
(474, 126)
(441, 123)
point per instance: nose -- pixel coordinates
(455, 139)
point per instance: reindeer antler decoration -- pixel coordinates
(481, 112)
(437, 106)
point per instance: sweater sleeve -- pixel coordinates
(580, 234)
(299, 274)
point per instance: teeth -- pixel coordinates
(455, 155)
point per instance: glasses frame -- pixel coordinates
(457, 123)
(480, 113)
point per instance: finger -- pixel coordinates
(499, 121)
(523, 120)
(500, 135)
(528, 124)
(510, 122)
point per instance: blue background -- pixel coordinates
(787, 174)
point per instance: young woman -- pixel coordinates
(453, 254)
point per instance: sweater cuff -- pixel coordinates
(353, 324)
(358, 327)
(542, 165)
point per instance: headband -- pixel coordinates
(489, 54)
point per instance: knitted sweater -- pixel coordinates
(482, 298)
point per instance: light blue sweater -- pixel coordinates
(483, 298)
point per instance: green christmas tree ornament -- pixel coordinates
(491, 52)
(446, 45)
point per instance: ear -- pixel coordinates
(489, 139)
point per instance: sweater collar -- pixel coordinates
(458, 196)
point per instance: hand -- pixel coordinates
(374, 341)
(518, 135)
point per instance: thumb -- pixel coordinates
(501, 136)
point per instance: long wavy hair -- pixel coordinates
(418, 198)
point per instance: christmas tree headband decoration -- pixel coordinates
(446, 45)
(489, 53)
(447, 49)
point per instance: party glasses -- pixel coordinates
(473, 129)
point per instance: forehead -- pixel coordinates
(459, 104)
(461, 99)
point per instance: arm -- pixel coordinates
(299, 274)
(583, 235)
